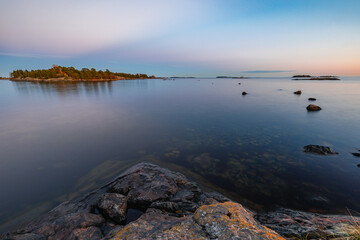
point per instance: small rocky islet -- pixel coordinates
(321, 150)
(172, 207)
(309, 77)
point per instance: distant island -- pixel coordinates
(182, 77)
(309, 77)
(59, 73)
(231, 77)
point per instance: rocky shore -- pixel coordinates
(150, 202)
(71, 80)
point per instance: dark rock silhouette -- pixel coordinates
(317, 149)
(313, 108)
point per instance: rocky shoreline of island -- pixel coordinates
(51, 80)
(150, 202)
(70, 74)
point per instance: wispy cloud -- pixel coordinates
(83, 26)
(32, 55)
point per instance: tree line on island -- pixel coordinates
(70, 73)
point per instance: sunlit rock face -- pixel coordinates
(227, 220)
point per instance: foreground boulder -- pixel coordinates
(113, 206)
(317, 149)
(303, 225)
(172, 207)
(313, 108)
(227, 220)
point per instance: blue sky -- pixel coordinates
(187, 37)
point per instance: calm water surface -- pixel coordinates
(60, 140)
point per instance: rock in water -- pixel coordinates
(313, 108)
(312, 99)
(317, 149)
(358, 165)
(244, 93)
(356, 154)
(298, 92)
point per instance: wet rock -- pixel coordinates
(298, 92)
(113, 206)
(313, 108)
(358, 165)
(244, 93)
(239, 83)
(356, 154)
(317, 149)
(312, 99)
(299, 224)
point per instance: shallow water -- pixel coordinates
(60, 140)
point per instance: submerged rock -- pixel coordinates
(298, 92)
(312, 99)
(304, 225)
(244, 93)
(322, 150)
(313, 108)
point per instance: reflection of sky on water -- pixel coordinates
(61, 138)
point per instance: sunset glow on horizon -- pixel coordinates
(191, 37)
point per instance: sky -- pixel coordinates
(183, 37)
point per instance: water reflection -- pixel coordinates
(63, 88)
